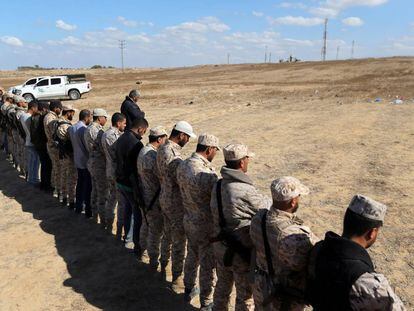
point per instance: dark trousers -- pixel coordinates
(131, 209)
(45, 168)
(83, 191)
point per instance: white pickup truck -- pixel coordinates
(53, 87)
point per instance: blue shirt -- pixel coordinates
(80, 153)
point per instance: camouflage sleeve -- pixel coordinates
(295, 247)
(257, 201)
(172, 167)
(373, 292)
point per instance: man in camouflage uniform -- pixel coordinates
(118, 122)
(196, 178)
(18, 133)
(240, 201)
(68, 174)
(96, 164)
(168, 159)
(341, 273)
(289, 243)
(151, 235)
(49, 123)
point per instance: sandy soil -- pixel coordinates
(315, 121)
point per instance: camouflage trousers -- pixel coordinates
(68, 178)
(111, 202)
(99, 189)
(153, 238)
(174, 230)
(238, 274)
(56, 167)
(21, 153)
(200, 254)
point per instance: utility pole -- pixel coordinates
(325, 37)
(228, 58)
(353, 49)
(337, 52)
(270, 57)
(122, 47)
(266, 55)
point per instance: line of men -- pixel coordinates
(222, 230)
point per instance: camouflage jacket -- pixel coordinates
(240, 200)
(168, 159)
(49, 125)
(371, 291)
(196, 178)
(62, 130)
(148, 174)
(93, 137)
(290, 245)
(107, 141)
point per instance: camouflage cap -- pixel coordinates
(234, 152)
(287, 188)
(99, 112)
(158, 131)
(68, 107)
(18, 99)
(367, 207)
(208, 140)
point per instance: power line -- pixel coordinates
(325, 37)
(122, 45)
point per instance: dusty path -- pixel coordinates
(52, 259)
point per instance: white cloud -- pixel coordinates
(296, 21)
(65, 26)
(126, 22)
(292, 5)
(201, 26)
(324, 12)
(331, 8)
(353, 21)
(111, 28)
(12, 41)
(257, 14)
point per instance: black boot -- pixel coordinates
(72, 206)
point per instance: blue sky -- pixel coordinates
(164, 33)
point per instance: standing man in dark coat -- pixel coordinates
(130, 108)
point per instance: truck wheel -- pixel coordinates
(74, 94)
(28, 97)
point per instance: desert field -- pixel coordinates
(316, 121)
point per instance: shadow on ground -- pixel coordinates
(101, 269)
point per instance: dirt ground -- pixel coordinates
(315, 121)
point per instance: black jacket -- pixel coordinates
(339, 262)
(37, 132)
(131, 112)
(127, 149)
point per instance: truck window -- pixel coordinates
(31, 81)
(55, 81)
(43, 82)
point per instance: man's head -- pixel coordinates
(68, 112)
(207, 146)
(134, 95)
(139, 126)
(33, 107)
(43, 106)
(85, 116)
(286, 192)
(100, 116)
(237, 156)
(56, 106)
(157, 136)
(118, 120)
(362, 220)
(20, 101)
(182, 132)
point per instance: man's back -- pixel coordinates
(131, 111)
(148, 172)
(196, 179)
(127, 149)
(80, 152)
